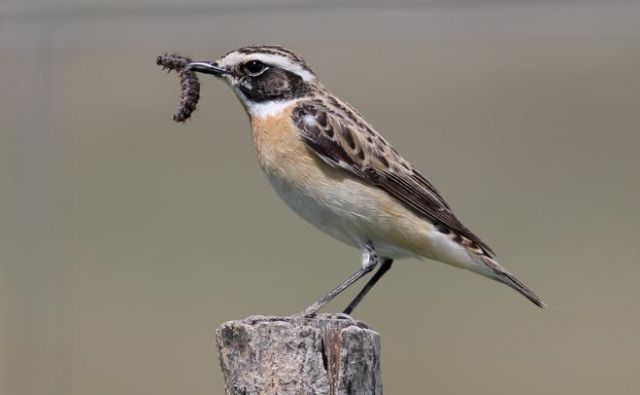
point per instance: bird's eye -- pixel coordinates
(254, 68)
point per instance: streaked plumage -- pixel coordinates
(336, 171)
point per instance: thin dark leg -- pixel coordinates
(369, 262)
(386, 265)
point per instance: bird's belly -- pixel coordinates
(337, 218)
(353, 212)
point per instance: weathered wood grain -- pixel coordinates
(293, 355)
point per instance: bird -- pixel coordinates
(332, 168)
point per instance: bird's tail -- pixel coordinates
(499, 273)
(480, 260)
(511, 280)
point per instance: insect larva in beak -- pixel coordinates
(189, 84)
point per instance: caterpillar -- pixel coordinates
(189, 84)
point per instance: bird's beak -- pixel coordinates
(207, 68)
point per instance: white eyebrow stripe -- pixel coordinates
(283, 62)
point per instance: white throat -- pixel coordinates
(267, 109)
(262, 109)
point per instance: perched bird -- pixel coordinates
(337, 172)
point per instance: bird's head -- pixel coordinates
(262, 76)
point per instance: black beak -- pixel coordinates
(207, 68)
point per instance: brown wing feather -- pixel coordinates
(329, 133)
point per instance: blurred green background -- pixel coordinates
(125, 238)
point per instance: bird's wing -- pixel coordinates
(341, 138)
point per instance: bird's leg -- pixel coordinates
(386, 265)
(369, 261)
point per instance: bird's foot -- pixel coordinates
(343, 316)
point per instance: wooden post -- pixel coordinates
(332, 355)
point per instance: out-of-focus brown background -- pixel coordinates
(125, 238)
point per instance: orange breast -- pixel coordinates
(279, 148)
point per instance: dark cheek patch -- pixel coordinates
(275, 84)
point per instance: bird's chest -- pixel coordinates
(279, 149)
(304, 182)
(289, 165)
